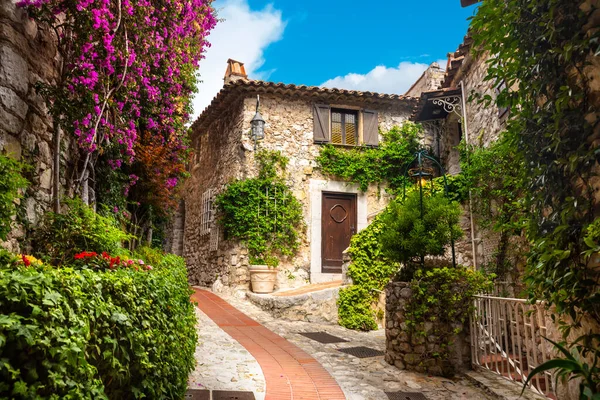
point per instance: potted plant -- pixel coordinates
(263, 273)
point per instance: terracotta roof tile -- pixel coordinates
(235, 90)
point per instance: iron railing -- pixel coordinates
(507, 339)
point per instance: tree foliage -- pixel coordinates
(409, 237)
(542, 51)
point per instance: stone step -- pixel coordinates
(311, 303)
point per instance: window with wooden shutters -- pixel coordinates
(344, 127)
(370, 128)
(321, 123)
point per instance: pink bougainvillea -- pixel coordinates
(130, 66)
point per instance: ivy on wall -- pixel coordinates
(443, 297)
(374, 165)
(542, 50)
(369, 271)
(262, 212)
(542, 53)
(11, 185)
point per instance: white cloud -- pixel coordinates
(382, 79)
(243, 35)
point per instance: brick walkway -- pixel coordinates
(290, 373)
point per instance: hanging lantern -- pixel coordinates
(421, 175)
(258, 125)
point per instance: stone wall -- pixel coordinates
(415, 353)
(28, 55)
(226, 151)
(218, 158)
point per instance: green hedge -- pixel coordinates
(122, 334)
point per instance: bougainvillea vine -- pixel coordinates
(128, 66)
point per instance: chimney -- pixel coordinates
(235, 71)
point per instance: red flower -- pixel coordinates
(85, 254)
(115, 261)
(105, 255)
(26, 261)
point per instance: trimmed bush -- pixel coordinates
(117, 334)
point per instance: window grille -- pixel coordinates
(208, 212)
(344, 127)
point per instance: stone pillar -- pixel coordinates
(412, 352)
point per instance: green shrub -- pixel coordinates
(85, 334)
(370, 271)
(408, 237)
(354, 309)
(149, 254)
(11, 183)
(60, 236)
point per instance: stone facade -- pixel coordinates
(225, 151)
(414, 353)
(28, 56)
(431, 79)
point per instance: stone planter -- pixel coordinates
(262, 278)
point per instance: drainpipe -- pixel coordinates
(466, 132)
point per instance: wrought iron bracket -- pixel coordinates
(449, 104)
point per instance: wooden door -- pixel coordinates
(338, 224)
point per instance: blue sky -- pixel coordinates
(379, 46)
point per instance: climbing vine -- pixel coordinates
(496, 178)
(542, 52)
(374, 165)
(370, 270)
(127, 70)
(262, 212)
(12, 184)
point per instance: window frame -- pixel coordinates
(343, 112)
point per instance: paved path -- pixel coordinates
(290, 372)
(360, 379)
(222, 363)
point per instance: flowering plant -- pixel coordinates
(28, 260)
(93, 260)
(128, 67)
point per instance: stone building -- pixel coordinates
(28, 56)
(299, 120)
(449, 117)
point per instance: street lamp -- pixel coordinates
(258, 125)
(421, 175)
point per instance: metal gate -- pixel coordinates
(506, 338)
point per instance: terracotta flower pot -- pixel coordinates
(262, 278)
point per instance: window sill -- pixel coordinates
(347, 146)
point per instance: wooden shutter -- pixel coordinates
(321, 123)
(370, 128)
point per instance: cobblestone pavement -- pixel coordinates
(222, 363)
(360, 379)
